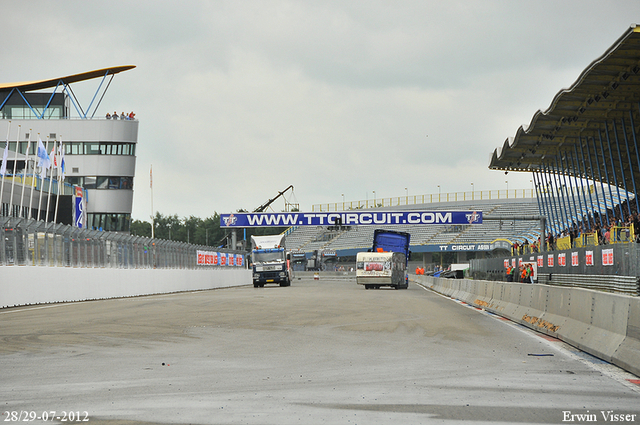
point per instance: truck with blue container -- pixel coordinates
(270, 261)
(385, 264)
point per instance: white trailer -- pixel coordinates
(376, 269)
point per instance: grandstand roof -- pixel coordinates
(53, 82)
(602, 105)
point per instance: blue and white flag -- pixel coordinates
(63, 170)
(3, 168)
(43, 158)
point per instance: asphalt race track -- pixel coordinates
(324, 351)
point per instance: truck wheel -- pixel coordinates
(367, 286)
(255, 284)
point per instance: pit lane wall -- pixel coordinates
(20, 285)
(602, 324)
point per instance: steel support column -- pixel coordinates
(593, 179)
(543, 205)
(613, 169)
(624, 178)
(556, 217)
(635, 144)
(606, 173)
(633, 179)
(576, 172)
(535, 184)
(574, 214)
(604, 197)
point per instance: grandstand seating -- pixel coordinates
(357, 237)
(308, 238)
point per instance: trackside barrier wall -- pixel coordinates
(38, 285)
(602, 324)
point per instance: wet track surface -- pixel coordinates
(316, 352)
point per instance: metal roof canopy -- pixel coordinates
(599, 114)
(7, 89)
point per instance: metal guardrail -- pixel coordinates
(425, 199)
(627, 285)
(25, 242)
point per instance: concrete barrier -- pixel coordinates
(602, 324)
(628, 354)
(21, 285)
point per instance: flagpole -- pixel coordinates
(26, 169)
(153, 219)
(34, 182)
(4, 171)
(42, 170)
(53, 151)
(55, 214)
(13, 176)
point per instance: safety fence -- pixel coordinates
(26, 242)
(611, 268)
(425, 199)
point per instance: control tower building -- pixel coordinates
(99, 153)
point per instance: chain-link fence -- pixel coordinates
(27, 242)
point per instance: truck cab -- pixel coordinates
(270, 261)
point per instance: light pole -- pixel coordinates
(438, 193)
(472, 190)
(532, 188)
(507, 182)
(374, 199)
(406, 193)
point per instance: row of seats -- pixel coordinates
(307, 238)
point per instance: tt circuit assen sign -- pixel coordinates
(359, 218)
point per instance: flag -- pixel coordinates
(43, 159)
(3, 168)
(53, 155)
(63, 170)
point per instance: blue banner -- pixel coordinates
(350, 218)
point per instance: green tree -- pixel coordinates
(140, 228)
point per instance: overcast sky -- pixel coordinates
(239, 99)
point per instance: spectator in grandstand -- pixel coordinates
(551, 242)
(108, 116)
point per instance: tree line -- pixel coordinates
(196, 230)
